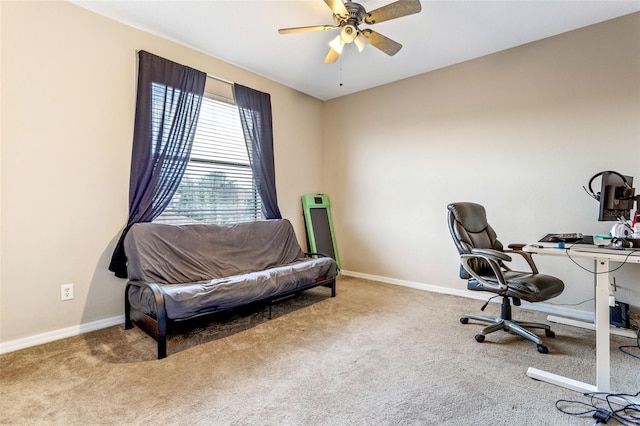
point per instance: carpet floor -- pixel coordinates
(376, 354)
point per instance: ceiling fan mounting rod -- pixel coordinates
(356, 16)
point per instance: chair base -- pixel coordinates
(507, 324)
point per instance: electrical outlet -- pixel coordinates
(66, 291)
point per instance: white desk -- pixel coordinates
(601, 258)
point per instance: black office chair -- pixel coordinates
(482, 263)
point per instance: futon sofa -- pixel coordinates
(180, 272)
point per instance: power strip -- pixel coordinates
(619, 315)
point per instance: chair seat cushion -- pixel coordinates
(525, 286)
(533, 287)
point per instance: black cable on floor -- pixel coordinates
(604, 406)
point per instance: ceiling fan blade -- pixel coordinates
(383, 43)
(393, 10)
(306, 29)
(337, 7)
(331, 57)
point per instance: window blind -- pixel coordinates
(217, 186)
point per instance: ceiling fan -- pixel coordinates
(348, 16)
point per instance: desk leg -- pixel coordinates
(624, 332)
(602, 326)
(603, 383)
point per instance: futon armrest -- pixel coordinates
(316, 254)
(154, 288)
(160, 331)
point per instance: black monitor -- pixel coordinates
(617, 196)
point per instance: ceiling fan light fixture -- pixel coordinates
(361, 41)
(337, 44)
(348, 33)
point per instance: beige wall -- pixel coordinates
(68, 92)
(520, 131)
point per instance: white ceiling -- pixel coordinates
(244, 33)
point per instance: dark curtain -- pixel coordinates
(167, 107)
(255, 115)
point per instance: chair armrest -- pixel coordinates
(517, 249)
(495, 254)
(493, 259)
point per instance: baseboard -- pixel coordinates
(62, 333)
(76, 330)
(548, 308)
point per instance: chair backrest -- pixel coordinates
(469, 229)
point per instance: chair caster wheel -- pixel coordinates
(479, 338)
(464, 320)
(549, 333)
(543, 349)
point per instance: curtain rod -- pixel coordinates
(222, 80)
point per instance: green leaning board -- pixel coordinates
(317, 219)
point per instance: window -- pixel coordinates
(218, 185)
